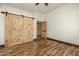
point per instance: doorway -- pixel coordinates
(41, 34)
(39, 30)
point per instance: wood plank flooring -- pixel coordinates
(52, 48)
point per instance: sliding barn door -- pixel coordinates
(28, 29)
(18, 30)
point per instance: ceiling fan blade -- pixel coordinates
(36, 3)
(46, 4)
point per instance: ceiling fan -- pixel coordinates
(46, 4)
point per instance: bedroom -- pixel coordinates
(33, 29)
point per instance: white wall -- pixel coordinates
(2, 24)
(63, 23)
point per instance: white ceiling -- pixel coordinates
(41, 8)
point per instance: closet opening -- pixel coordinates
(41, 34)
